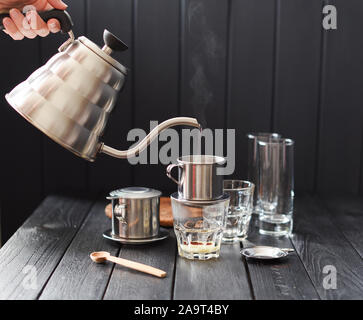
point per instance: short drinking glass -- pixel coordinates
(198, 226)
(240, 209)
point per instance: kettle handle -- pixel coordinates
(63, 17)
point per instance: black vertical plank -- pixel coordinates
(1, 215)
(107, 173)
(204, 47)
(21, 143)
(127, 284)
(284, 279)
(223, 278)
(39, 245)
(340, 139)
(63, 171)
(347, 215)
(361, 168)
(76, 276)
(319, 243)
(296, 95)
(251, 53)
(156, 78)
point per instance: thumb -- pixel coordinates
(58, 4)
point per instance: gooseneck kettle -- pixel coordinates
(71, 97)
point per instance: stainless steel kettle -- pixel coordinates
(70, 98)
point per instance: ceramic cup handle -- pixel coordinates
(168, 172)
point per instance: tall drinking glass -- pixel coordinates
(275, 194)
(252, 165)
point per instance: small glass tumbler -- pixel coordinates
(240, 209)
(275, 194)
(252, 158)
(198, 226)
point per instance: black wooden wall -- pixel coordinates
(252, 65)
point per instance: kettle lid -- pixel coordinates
(112, 43)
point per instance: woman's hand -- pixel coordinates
(31, 25)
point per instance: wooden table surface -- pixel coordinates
(48, 258)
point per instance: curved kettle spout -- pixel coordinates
(180, 121)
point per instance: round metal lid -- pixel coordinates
(135, 193)
(202, 159)
(265, 252)
(97, 50)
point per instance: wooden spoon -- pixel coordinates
(102, 256)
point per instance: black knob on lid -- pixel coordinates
(113, 42)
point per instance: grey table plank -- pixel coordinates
(134, 285)
(76, 276)
(320, 243)
(37, 246)
(347, 214)
(284, 279)
(222, 278)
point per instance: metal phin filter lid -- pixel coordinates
(135, 193)
(175, 196)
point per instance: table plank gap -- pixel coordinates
(248, 275)
(110, 275)
(56, 266)
(174, 271)
(347, 215)
(77, 277)
(306, 271)
(284, 279)
(216, 279)
(324, 250)
(30, 256)
(126, 284)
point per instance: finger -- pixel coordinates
(12, 30)
(58, 4)
(54, 25)
(22, 23)
(37, 24)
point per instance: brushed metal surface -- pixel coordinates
(198, 178)
(70, 98)
(135, 218)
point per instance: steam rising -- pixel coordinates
(204, 60)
